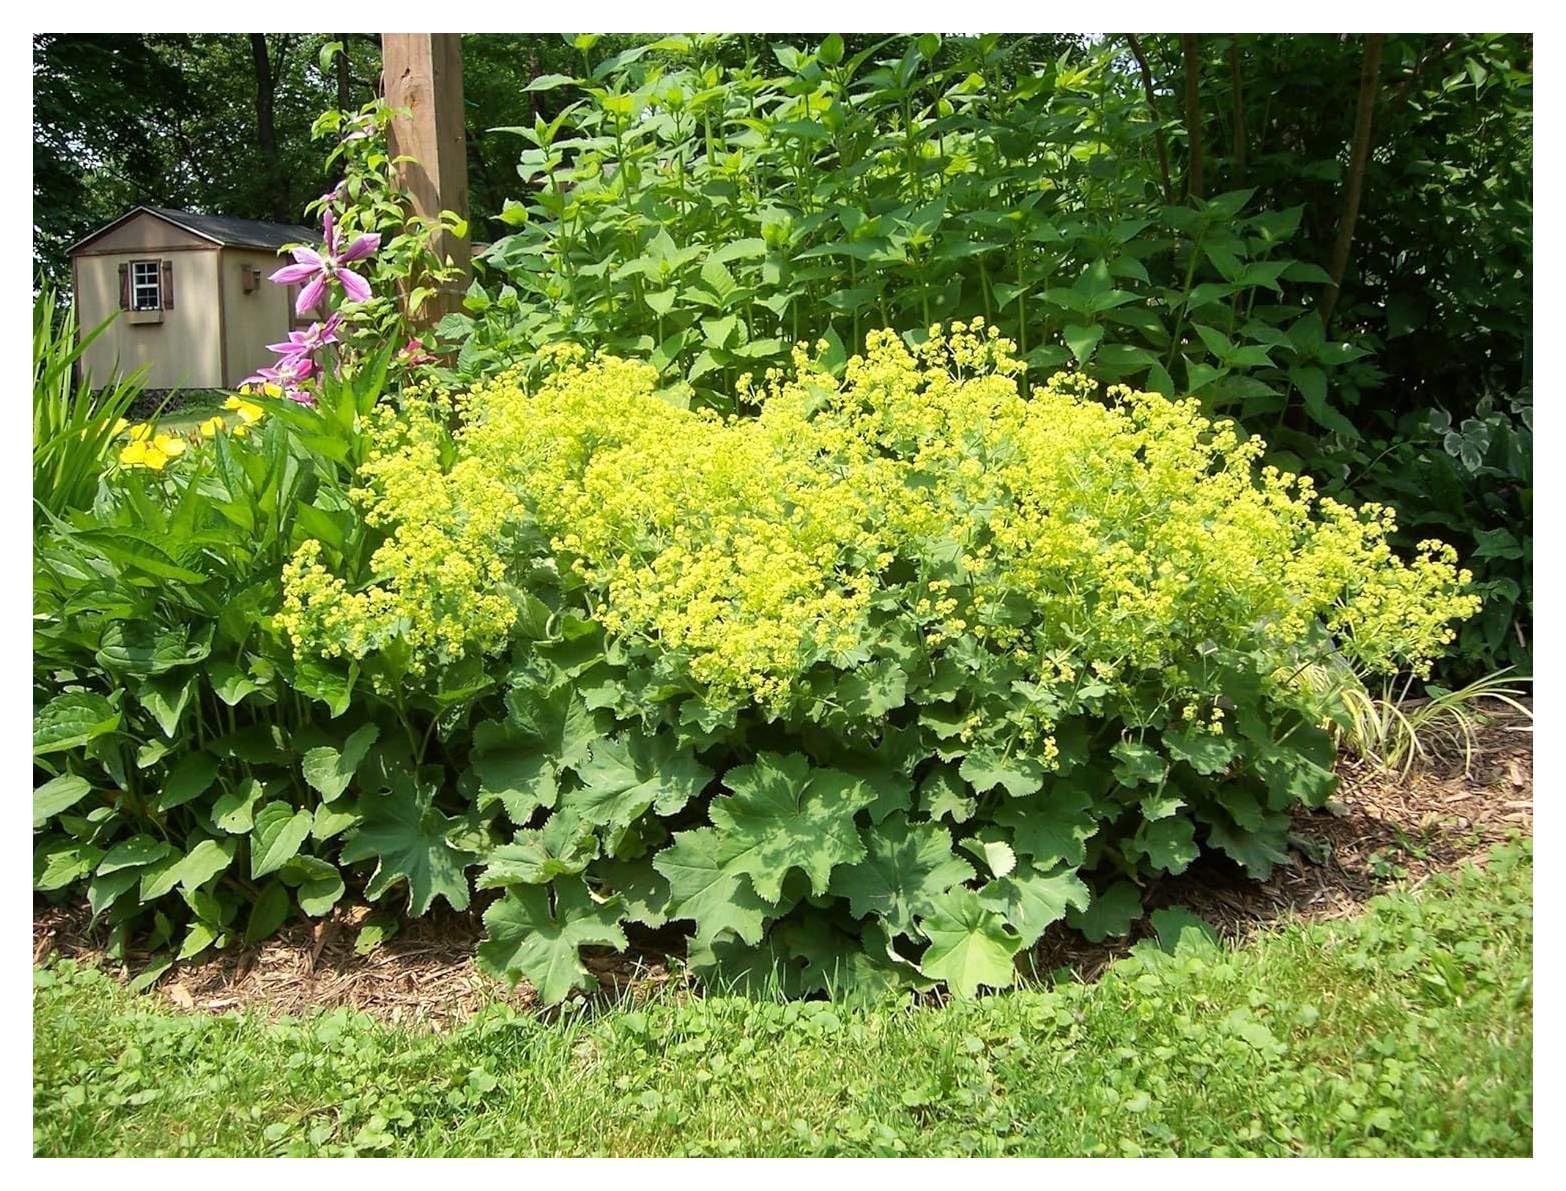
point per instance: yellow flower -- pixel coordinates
(248, 411)
(212, 426)
(153, 453)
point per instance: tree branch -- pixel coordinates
(1354, 185)
(1193, 116)
(1152, 107)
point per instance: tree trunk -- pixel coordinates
(1354, 185)
(342, 74)
(1237, 91)
(1193, 116)
(266, 126)
(1152, 108)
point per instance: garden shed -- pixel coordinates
(191, 292)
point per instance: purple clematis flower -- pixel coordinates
(330, 264)
(307, 343)
(287, 374)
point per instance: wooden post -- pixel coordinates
(422, 72)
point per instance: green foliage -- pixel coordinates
(708, 202)
(865, 692)
(1407, 1031)
(75, 421)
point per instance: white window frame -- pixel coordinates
(146, 277)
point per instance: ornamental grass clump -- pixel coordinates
(868, 689)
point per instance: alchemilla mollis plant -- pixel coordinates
(868, 689)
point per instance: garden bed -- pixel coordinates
(1379, 830)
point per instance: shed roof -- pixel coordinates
(225, 230)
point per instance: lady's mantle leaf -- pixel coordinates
(783, 816)
(906, 869)
(1031, 898)
(1169, 844)
(408, 837)
(1112, 912)
(1020, 776)
(563, 846)
(703, 888)
(629, 773)
(970, 945)
(526, 939)
(1053, 827)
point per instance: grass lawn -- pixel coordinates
(1405, 1031)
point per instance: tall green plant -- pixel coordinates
(75, 421)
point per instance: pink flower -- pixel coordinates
(413, 353)
(330, 264)
(307, 343)
(289, 373)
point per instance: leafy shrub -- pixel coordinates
(706, 203)
(864, 686)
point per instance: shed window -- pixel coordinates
(146, 285)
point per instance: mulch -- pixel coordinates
(1380, 830)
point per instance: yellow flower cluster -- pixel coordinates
(149, 449)
(1078, 537)
(439, 577)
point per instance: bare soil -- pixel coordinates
(1379, 831)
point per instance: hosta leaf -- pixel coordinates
(1111, 912)
(329, 820)
(268, 913)
(279, 830)
(704, 889)
(329, 770)
(1202, 751)
(106, 888)
(627, 774)
(233, 811)
(136, 852)
(527, 938)
(166, 698)
(189, 779)
(1030, 898)
(782, 816)
(1053, 827)
(230, 683)
(205, 861)
(407, 837)
(135, 648)
(71, 720)
(1020, 776)
(56, 795)
(906, 869)
(970, 945)
(562, 847)
(1169, 844)
(61, 862)
(317, 883)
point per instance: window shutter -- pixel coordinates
(124, 287)
(168, 285)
